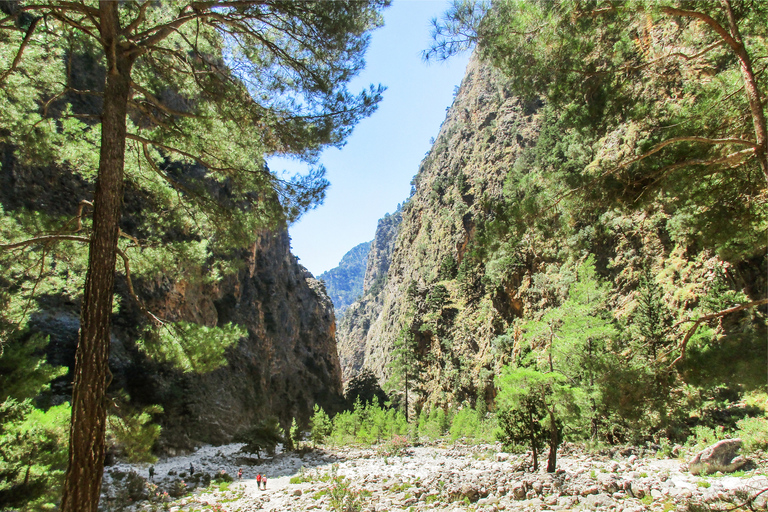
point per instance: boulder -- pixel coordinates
(721, 456)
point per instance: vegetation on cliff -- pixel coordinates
(344, 283)
(586, 244)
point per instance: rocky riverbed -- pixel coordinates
(440, 476)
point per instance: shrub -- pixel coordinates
(753, 433)
(265, 435)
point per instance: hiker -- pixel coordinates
(240, 474)
(264, 481)
(258, 481)
(151, 472)
(191, 469)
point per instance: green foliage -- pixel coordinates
(650, 106)
(264, 435)
(448, 267)
(365, 387)
(368, 424)
(295, 434)
(321, 425)
(433, 424)
(534, 406)
(405, 366)
(191, 347)
(130, 431)
(24, 372)
(343, 498)
(753, 433)
(33, 454)
(473, 426)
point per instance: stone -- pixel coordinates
(518, 490)
(297, 492)
(721, 456)
(595, 501)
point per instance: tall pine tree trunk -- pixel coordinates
(751, 89)
(82, 484)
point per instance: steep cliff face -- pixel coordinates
(457, 182)
(380, 255)
(356, 322)
(287, 362)
(344, 283)
(457, 284)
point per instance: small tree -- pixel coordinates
(321, 425)
(532, 407)
(405, 365)
(265, 435)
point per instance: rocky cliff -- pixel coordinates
(286, 363)
(483, 131)
(459, 275)
(344, 283)
(355, 324)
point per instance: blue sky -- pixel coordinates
(372, 173)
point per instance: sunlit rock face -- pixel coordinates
(484, 130)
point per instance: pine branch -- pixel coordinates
(44, 239)
(659, 147)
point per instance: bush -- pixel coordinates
(470, 425)
(265, 435)
(753, 433)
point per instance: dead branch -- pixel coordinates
(126, 264)
(706, 318)
(22, 46)
(44, 239)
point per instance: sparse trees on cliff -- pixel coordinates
(664, 98)
(215, 86)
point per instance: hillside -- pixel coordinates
(472, 262)
(344, 283)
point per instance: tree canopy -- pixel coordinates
(179, 104)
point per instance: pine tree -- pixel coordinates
(216, 85)
(405, 366)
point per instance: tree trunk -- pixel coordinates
(752, 91)
(554, 442)
(534, 447)
(82, 484)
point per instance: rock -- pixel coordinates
(297, 492)
(518, 490)
(591, 489)
(721, 456)
(597, 501)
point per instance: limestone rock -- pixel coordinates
(721, 456)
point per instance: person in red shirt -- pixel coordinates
(258, 481)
